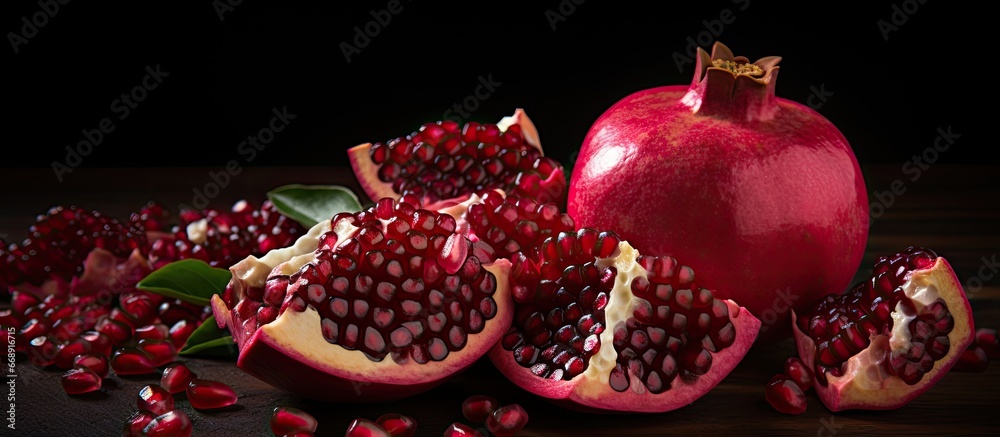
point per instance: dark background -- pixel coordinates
(889, 97)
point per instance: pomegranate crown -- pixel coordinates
(760, 71)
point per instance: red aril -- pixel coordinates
(988, 339)
(798, 372)
(160, 351)
(365, 428)
(206, 394)
(96, 362)
(69, 351)
(507, 421)
(397, 425)
(761, 195)
(477, 408)
(176, 377)
(155, 399)
(99, 343)
(135, 423)
(785, 395)
(890, 338)
(180, 331)
(973, 359)
(42, 351)
(461, 430)
(80, 380)
(156, 331)
(599, 326)
(288, 420)
(175, 423)
(131, 361)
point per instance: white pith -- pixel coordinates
(621, 305)
(921, 295)
(253, 271)
(197, 231)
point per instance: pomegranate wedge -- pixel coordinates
(372, 306)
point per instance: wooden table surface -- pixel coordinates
(953, 210)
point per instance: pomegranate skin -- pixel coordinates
(760, 195)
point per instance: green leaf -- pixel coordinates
(209, 340)
(190, 280)
(311, 204)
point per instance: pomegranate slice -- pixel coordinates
(599, 326)
(444, 161)
(890, 338)
(377, 305)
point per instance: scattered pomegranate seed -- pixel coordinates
(131, 361)
(798, 372)
(507, 421)
(175, 423)
(119, 332)
(135, 423)
(155, 399)
(460, 430)
(785, 395)
(69, 351)
(365, 428)
(96, 362)
(156, 331)
(160, 351)
(42, 351)
(477, 408)
(180, 332)
(973, 359)
(176, 378)
(397, 425)
(99, 343)
(82, 380)
(988, 339)
(288, 420)
(205, 394)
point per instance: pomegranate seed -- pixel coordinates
(69, 351)
(797, 371)
(477, 408)
(288, 420)
(118, 331)
(81, 380)
(785, 395)
(973, 359)
(175, 423)
(507, 421)
(176, 378)
(206, 394)
(365, 428)
(460, 430)
(299, 434)
(99, 343)
(160, 351)
(156, 331)
(96, 362)
(397, 425)
(989, 341)
(135, 423)
(155, 399)
(131, 361)
(180, 332)
(42, 351)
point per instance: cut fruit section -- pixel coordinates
(371, 306)
(890, 338)
(599, 326)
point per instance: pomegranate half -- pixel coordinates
(371, 306)
(597, 326)
(890, 338)
(761, 195)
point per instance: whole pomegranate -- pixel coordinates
(761, 195)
